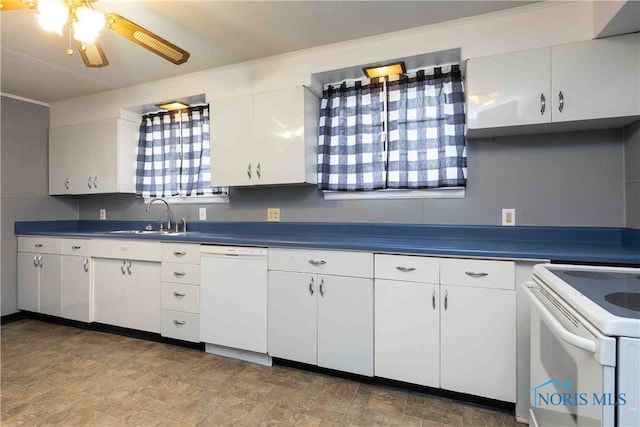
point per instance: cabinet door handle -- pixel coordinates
(179, 322)
(249, 171)
(35, 261)
(179, 274)
(311, 287)
(39, 245)
(258, 170)
(433, 299)
(179, 294)
(95, 182)
(129, 268)
(179, 253)
(66, 183)
(89, 182)
(476, 274)
(40, 261)
(75, 248)
(317, 263)
(322, 287)
(405, 269)
(123, 266)
(543, 104)
(446, 300)
(561, 101)
(86, 265)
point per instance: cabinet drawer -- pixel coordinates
(178, 297)
(355, 264)
(79, 247)
(126, 249)
(407, 268)
(181, 252)
(42, 245)
(180, 325)
(473, 272)
(181, 273)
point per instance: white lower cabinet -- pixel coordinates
(40, 275)
(76, 288)
(321, 319)
(447, 323)
(127, 293)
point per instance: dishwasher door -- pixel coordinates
(233, 297)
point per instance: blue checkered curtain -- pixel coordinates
(174, 154)
(350, 143)
(426, 118)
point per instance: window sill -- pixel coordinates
(435, 193)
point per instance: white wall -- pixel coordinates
(528, 27)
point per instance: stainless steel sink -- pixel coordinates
(163, 232)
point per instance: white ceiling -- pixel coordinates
(34, 64)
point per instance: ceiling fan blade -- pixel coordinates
(92, 55)
(146, 39)
(17, 4)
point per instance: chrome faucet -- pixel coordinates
(158, 199)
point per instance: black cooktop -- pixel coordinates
(616, 292)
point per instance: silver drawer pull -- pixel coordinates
(316, 262)
(405, 269)
(475, 274)
(179, 322)
(179, 253)
(179, 274)
(75, 248)
(39, 245)
(179, 294)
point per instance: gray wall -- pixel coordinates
(565, 179)
(632, 175)
(24, 184)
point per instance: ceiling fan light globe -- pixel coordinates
(88, 25)
(53, 15)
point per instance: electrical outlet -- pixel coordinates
(273, 214)
(508, 217)
(103, 214)
(203, 214)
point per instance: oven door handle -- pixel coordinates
(566, 336)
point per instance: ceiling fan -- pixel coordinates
(85, 23)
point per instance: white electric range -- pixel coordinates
(585, 345)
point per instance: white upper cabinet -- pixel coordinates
(265, 138)
(586, 85)
(96, 157)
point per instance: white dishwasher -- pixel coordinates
(233, 301)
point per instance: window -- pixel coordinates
(174, 157)
(404, 133)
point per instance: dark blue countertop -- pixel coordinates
(570, 244)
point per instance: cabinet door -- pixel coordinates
(110, 292)
(59, 161)
(232, 149)
(28, 282)
(51, 285)
(81, 159)
(407, 332)
(233, 295)
(345, 324)
(292, 316)
(597, 78)
(76, 288)
(279, 133)
(506, 90)
(478, 341)
(105, 157)
(143, 296)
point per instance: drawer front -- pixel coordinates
(407, 268)
(126, 249)
(473, 272)
(355, 264)
(79, 247)
(180, 297)
(180, 325)
(181, 273)
(41, 245)
(181, 252)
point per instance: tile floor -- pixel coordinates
(58, 375)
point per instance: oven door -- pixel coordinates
(572, 365)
